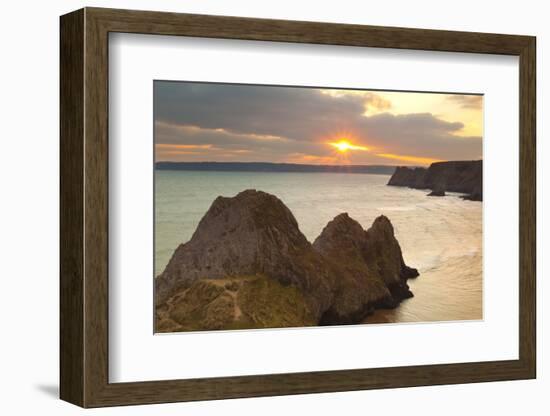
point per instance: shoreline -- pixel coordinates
(368, 195)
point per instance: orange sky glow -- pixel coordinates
(242, 123)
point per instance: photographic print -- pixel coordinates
(280, 207)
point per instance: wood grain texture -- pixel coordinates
(71, 208)
(96, 209)
(527, 208)
(84, 207)
(162, 23)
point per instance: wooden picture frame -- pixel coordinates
(84, 207)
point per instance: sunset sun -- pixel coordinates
(344, 145)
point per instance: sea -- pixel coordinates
(439, 236)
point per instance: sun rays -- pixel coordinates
(344, 145)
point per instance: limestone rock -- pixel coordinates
(370, 267)
(453, 176)
(251, 233)
(384, 254)
(411, 177)
(248, 266)
(438, 191)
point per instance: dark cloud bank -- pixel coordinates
(264, 123)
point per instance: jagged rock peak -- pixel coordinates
(383, 224)
(370, 267)
(340, 228)
(248, 234)
(261, 206)
(384, 252)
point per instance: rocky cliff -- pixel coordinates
(370, 268)
(411, 177)
(248, 266)
(249, 234)
(455, 176)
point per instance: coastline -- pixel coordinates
(404, 206)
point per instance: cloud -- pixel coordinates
(173, 133)
(405, 158)
(373, 103)
(172, 140)
(294, 113)
(467, 101)
(183, 146)
(421, 135)
(264, 123)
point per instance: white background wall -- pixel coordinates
(29, 206)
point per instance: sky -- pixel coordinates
(252, 123)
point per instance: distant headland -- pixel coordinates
(274, 167)
(454, 176)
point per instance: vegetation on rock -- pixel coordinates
(243, 302)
